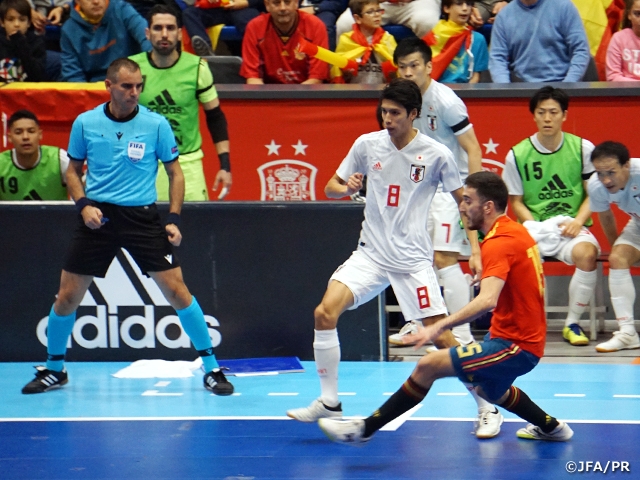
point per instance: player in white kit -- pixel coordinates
(403, 169)
(617, 181)
(445, 119)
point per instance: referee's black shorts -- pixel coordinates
(136, 229)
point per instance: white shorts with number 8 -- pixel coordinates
(418, 293)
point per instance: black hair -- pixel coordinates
(490, 187)
(162, 8)
(403, 92)
(407, 46)
(21, 6)
(21, 115)
(549, 93)
(611, 149)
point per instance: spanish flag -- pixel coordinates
(354, 45)
(445, 40)
(601, 19)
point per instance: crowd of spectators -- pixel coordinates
(472, 40)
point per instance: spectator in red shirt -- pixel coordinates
(271, 46)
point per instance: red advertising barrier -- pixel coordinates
(287, 149)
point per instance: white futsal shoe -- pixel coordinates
(620, 341)
(488, 423)
(409, 328)
(561, 433)
(348, 432)
(314, 412)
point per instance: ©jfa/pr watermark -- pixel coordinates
(598, 467)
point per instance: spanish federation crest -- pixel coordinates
(287, 180)
(417, 173)
(432, 122)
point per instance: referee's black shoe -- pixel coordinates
(46, 380)
(217, 382)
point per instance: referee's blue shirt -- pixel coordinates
(122, 155)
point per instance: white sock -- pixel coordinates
(482, 403)
(581, 289)
(623, 296)
(326, 351)
(456, 295)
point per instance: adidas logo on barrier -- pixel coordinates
(555, 189)
(123, 306)
(164, 104)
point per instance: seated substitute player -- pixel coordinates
(403, 169)
(512, 286)
(122, 143)
(546, 175)
(175, 82)
(30, 171)
(618, 182)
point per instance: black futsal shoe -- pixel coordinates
(218, 383)
(46, 380)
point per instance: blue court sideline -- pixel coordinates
(101, 427)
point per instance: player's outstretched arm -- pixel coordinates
(338, 188)
(486, 301)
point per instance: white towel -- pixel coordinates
(548, 234)
(159, 369)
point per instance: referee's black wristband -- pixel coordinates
(173, 218)
(225, 163)
(81, 203)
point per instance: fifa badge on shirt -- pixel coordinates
(135, 151)
(432, 121)
(417, 173)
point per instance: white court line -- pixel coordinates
(626, 396)
(395, 424)
(162, 384)
(346, 394)
(453, 394)
(255, 374)
(283, 394)
(265, 417)
(388, 394)
(156, 393)
(577, 395)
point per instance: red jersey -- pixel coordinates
(266, 56)
(509, 253)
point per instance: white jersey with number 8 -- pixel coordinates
(400, 187)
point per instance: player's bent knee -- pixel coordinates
(618, 261)
(324, 320)
(433, 366)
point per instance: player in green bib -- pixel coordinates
(546, 176)
(174, 84)
(30, 171)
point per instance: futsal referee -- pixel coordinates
(121, 143)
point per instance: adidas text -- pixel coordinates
(110, 330)
(556, 194)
